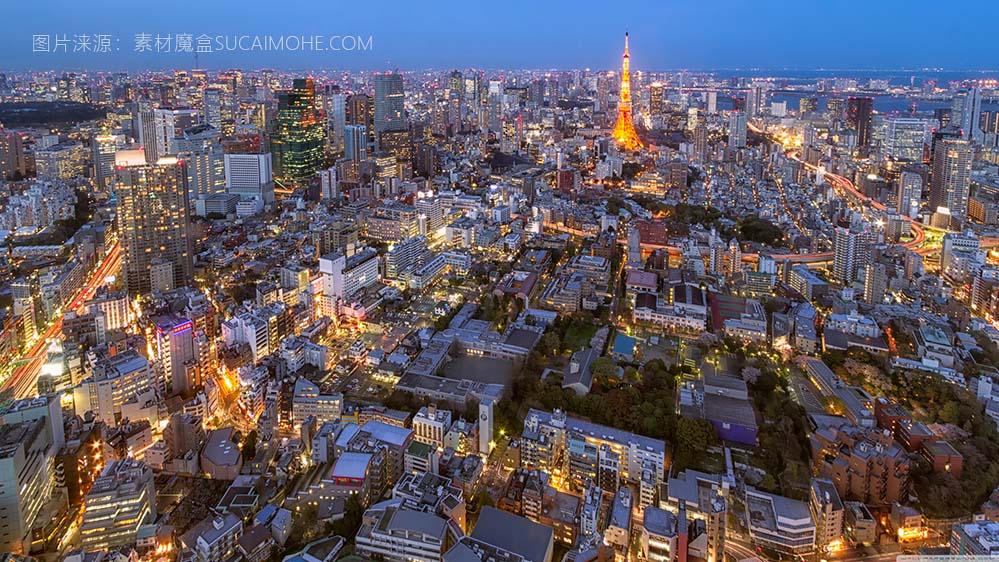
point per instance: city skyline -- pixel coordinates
(599, 311)
(725, 35)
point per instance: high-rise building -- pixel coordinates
(430, 425)
(308, 401)
(154, 219)
(850, 251)
(756, 97)
(336, 114)
(702, 497)
(299, 140)
(700, 143)
(951, 178)
(121, 500)
(808, 105)
(105, 147)
(711, 101)
(144, 125)
(329, 184)
(13, 155)
(737, 129)
(905, 138)
(875, 283)
(624, 129)
(859, 111)
(169, 124)
(177, 351)
(910, 193)
(836, 108)
(26, 481)
(361, 111)
(201, 150)
(344, 277)
(355, 146)
(656, 95)
(213, 107)
(390, 103)
(249, 175)
(971, 115)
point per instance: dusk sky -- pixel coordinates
(767, 34)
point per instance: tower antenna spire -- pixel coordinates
(624, 129)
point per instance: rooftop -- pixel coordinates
(351, 465)
(516, 534)
(597, 431)
(220, 449)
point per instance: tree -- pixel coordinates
(250, 445)
(552, 343)
(352, 518)
(750, 374)
(693, 437)
(483, 498)
(603, 369)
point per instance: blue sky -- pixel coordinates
(666, 34)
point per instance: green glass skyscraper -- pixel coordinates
(298, 144)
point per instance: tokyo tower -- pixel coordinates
(624, 130)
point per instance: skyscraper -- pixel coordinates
(177, 351)
(624, 129)
(905, 137)
(755, 98)
(250, 175)
(169, 124)
(850, 252)
(711, 101)
(390, 103)
(299, 141)
(355, 142)
(201, 150)
(14, 155)
(737, 129)
(835, 107)
(858, 118)
(104, 147)
(154, 215)
(910, 193)
(213, 107)
(951, 175)
(970, 116)
(337, 119)
(360, 110)
(656, 98)
(875, 283)
(808, 104)
(701, 143)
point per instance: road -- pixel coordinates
(22, 379)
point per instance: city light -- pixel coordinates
(498, 302)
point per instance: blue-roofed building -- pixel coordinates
(624, 347)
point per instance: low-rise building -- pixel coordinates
(779, 523)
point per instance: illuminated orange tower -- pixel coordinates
(624, 130)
